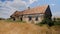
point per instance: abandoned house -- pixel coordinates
(36, 14)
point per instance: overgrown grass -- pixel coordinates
(51, 23)
(57, 23)
(9, 20)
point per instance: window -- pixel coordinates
(36, 19)
(30, 18)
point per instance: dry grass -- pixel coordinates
(26, 28)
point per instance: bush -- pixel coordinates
(2, 19)
(56, 21)
(47, 21)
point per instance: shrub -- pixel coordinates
(2, 19)
(47, 21)
(56, 21)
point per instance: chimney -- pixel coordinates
(28, 8)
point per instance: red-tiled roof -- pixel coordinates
(39, 9)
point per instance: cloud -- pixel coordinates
(8, 7)
(32, 1)
(4, 12)
(52, 4)
(17, 4)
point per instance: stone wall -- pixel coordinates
(33, 19)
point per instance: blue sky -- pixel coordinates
(7, 7)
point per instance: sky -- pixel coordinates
(8, 7)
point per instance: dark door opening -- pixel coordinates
(14, 19)
(36, 19)
(21, 18)
(30, 18)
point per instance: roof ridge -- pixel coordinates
(35, 10)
